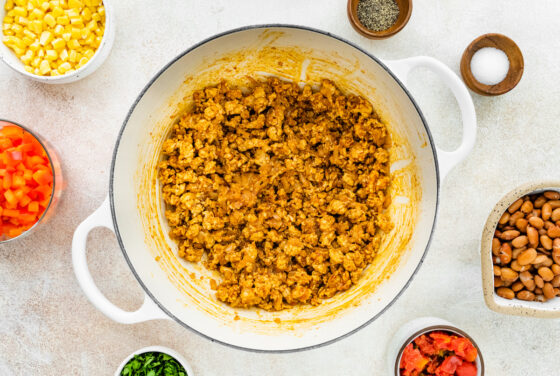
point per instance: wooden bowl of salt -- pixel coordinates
(492, 65)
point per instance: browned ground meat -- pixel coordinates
(282, 190)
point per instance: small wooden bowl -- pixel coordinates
(405, 7)
(516, 64)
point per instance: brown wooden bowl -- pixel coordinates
(516, 64)
(405, 7)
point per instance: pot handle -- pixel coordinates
(102, 218)
(446, 159)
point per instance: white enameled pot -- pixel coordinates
(180, 290)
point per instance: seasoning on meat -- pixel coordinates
(281, 189)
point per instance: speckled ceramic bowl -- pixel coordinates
(550, 309)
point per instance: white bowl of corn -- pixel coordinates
(56, 41)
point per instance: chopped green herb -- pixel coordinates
(153, 364)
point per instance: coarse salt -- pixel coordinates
(490, 65)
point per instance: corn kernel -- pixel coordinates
(20, 3)
(90, 39)
(45, 6)
(36, 26)
(19, 51)
(58, 43)
(72, 13)
(18, 42)
(58, 30)
(29, 69)
(9, 5)
(28, 41)
(76, 33)
(67, 36)
(86, 14)
(34, 46)
(44, 67)
(46, 37)
(63, 20)
(19, 11)
(64, 67)
(36, 14)
(85, 33)
(89, 53)
(74, 44)
(96, 17)
(35, 62)
(75, 4)
(50, 20)
(73, 56)
(29, 34)
(57, 11)
(41, 53)
(18, 29)
(51, 55)
(83, 61)
(21, 20)
(77, 21)
(64, 55)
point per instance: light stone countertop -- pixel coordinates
(47, 327)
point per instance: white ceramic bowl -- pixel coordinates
(10, 58)
(160, 349)
(549, 309)
(415, 328)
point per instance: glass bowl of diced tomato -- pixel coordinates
(30, 181)
(431, 346)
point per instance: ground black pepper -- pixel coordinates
(378, 15)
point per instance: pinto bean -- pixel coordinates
(505, 293)
(527, 257)
(536, 222)
(525, 295)
(510, 234)
(552, 195)
(527, 207)
(515, 206)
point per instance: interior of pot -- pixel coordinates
(182, 289)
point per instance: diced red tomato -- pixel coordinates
(466, 369)
(7, 181)
(464, 348)
(449, 365)
(412, 361)
(426, 345)
(26, 181)
(33, 207)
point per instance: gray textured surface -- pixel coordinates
(49, 328)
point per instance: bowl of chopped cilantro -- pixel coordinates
(154, 361)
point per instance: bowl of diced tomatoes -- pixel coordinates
(431, 346)
(29, 181)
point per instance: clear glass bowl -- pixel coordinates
(58, 180)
